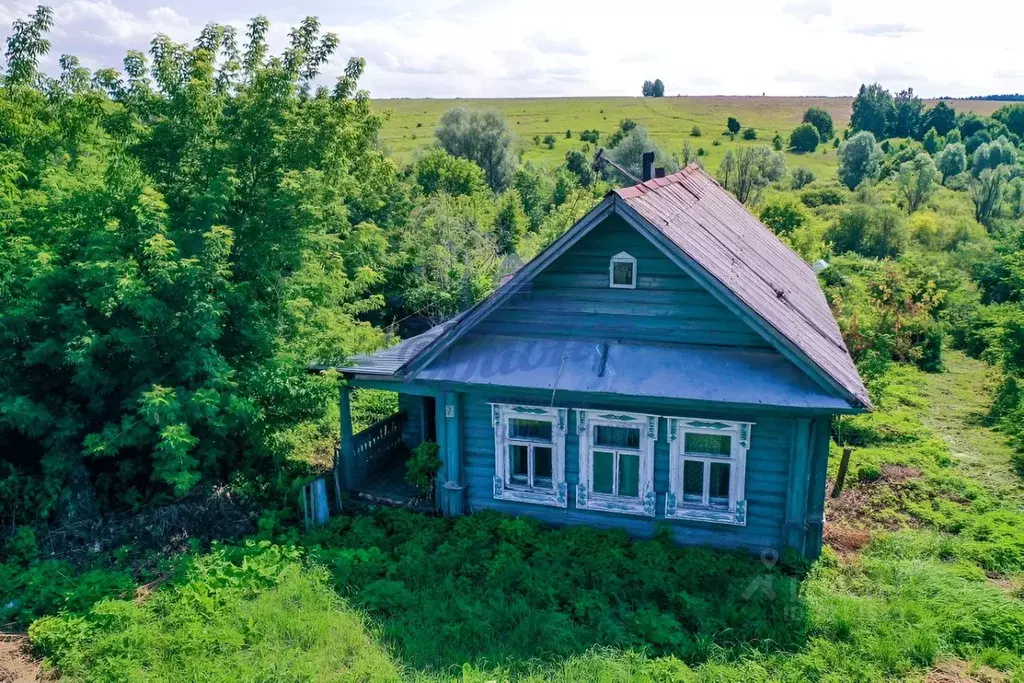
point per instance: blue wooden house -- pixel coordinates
(667, 360)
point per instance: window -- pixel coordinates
(707, 470)
(529, 454)
(616, 462)
(622, 271)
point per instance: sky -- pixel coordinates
(542, 48)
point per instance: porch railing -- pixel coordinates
(374, 446)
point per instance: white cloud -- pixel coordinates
(495, 48)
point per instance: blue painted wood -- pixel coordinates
(571, 298)
(412, 430)
(767, 473)
(799, 480)
(452, 460)
(821, 441)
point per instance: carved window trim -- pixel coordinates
(621, 257)
(586, 497)
(735, 513)
(504, 488)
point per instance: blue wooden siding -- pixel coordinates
(767, 484)
(412, 430)
(571, 299)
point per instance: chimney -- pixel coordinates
(648, 166)
(659, 172)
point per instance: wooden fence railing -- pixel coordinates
(372, 447)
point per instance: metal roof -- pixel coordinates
(389, 361)
(715, 230)
(671, 371)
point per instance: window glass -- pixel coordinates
(718, 490)
(604, 464)
(617, 437)
(622, 273)
(693, 481)
(533, 430)
(629, 475)
(710, 444)
(542, 466)
(518, 463)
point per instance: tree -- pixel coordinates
(804, 138)
(696, 132)
(733, 125)
(941, 117)
(658, 90)
(591, 136)
(534, 188)
(783, 218)
(625, 127)
(568, 133)
(992, 155)
(802, 177)
(986, 189)
(875, 231)
(549, 141)
(750, 170)
(749, 134)
(1012, 116)
(907, 113)
(437, 171)
(821, 120)
(647, 89)
(578, 166)
(951, 161)
(873, 110)
(931, 141)
(860, 159)
(777, 143)
(918, 180)
(509, 222)
(629, 154)
(484, 138)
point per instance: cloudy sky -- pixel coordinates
(520, 48)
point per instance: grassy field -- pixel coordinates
(669, 119)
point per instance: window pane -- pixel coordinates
(719, 485)
(603, 470)
(518, 461)
(622, 273)
(542, 467)
(629, 475)
(534, 430)
(712, 444)
(617, 437)
(693, 481)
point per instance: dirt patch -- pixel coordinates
(845, 540)
(959, 671)
(897, 475)
(16, 662)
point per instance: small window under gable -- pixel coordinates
(622, 271)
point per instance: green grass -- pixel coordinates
(669, 119)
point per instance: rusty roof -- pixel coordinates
(716, 231)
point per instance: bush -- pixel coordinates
(568, 134)
(801, 177)
(732, 125)
(422, 466)
(804, 138)
(874, 231)
(782, 218)
(860, 159)
(591, 136)
(696, 132)
(821, 120)
(749, 134)
(549, 141)
(777, 143)
(823, 196)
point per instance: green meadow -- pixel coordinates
(670, 121)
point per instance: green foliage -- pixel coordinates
(626, 126)
(931, 141)
(696, 132)
(952, 160)
(750, 171)
(783, 218)
(436, 171)
(804, 138)
(941, 117)
(801, 177)
(1012, 116)
(777, 143)
(749, 134)
(484, 138)
(653, 88)
(577, 164)
(732, 124)
(534, 187)
(549, 141)
(509, 222)
(821, 120)
(860, 159)
(629, 154)
(907, 114)
(874, 231)
(917, 181)
(422, 466)
(370, 406)
(873, 112)
(591, 136)
(992, 155)
(824, 195)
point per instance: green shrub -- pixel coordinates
(801, 177)
(749, 134)
(824, 196)
(804, 138)
(422, 466)
(696, 132)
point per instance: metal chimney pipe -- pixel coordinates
(659, 172)
(648, 167)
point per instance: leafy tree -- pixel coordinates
(534, 188)
(658, 89)
(918, 180)
(783, 217)
(509, 222)
(952, 160)
(931, 141)
(484, 138)
(647, 89)
(629, 154)
(986, 190)
(624, 129)
(732, 124)
(969, 123)
(177, 243)
(953, 136)
(941, 117)
(860, 159)
(591, 136)
(992, 155)
(777, 143)
(549, 141)
(876, 231)
(802, 177)
(696, 132)
(976, 140)
(750, 170)
(689, 154)
(1012, 116)
(873, 110)
(577, 164)
(804, 138)
(821, 120)
(908, 111)
(436, 171)
(749, 134)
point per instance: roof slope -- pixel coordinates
(715, 230)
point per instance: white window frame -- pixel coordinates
(621, 257)
(675, 507)
(504, 488)
(586, 497)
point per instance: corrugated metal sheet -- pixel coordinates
(715, 230)
(669, 371)
(388, 361)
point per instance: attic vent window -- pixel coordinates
(622, 271)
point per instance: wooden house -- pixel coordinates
(667, 360)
